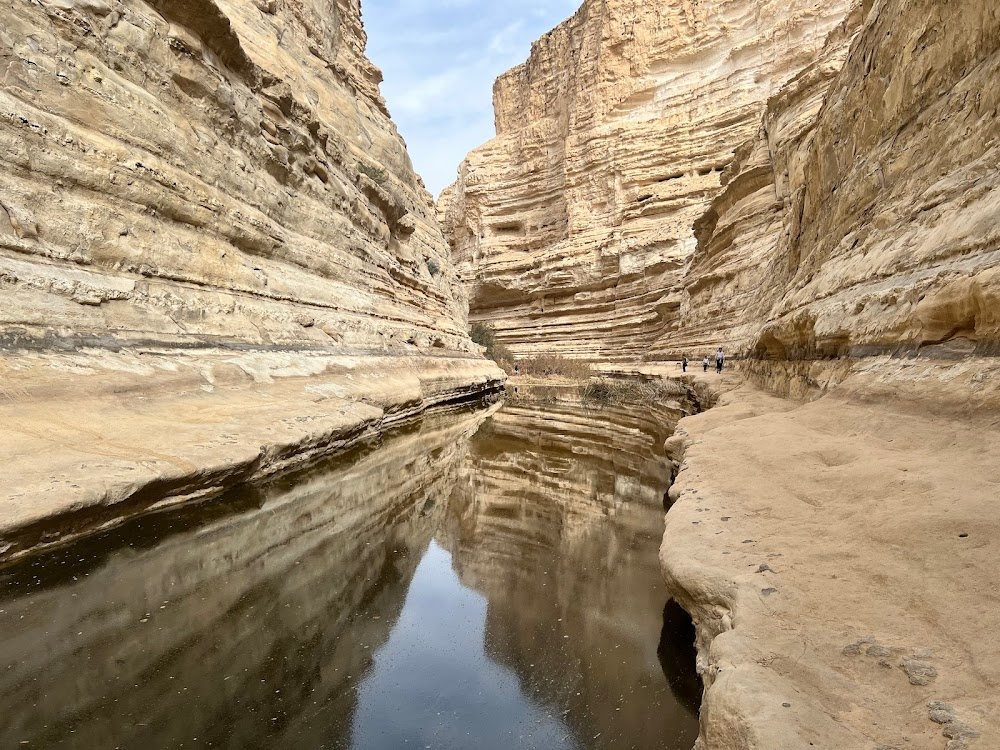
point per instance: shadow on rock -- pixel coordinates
(677, 655)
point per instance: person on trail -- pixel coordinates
(684, 363)
(705, 363)
(720, 359)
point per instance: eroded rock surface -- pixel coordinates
(188, 188)
(838, 556)
(236, 179)
(573, 226)
(859, 221)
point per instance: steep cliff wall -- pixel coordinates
(865, 226)
(207, 221)
(721, 292)
(230, 178)
(572, 227)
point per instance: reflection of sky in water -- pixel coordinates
(432, 684)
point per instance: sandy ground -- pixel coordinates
(841, 559)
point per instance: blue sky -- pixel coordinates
(440, 58)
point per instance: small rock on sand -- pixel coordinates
(918, 672)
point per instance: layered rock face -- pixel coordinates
(849, 214)
(573, 226)
(865, 225)
(207, 221)
(209, 172)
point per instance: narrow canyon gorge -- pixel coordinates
(218, 266)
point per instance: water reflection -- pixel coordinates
(559, 527)
(433, 685)
(444, 590)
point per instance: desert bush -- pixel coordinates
(607, 391)
(432, 267)
(485, 334)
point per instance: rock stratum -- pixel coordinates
(208, 222)
(573, 227)
(859, 221)
(794, 182)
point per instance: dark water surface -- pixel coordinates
(478, 582)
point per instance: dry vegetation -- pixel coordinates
(552, 365)
(609, 391)
(546, 365)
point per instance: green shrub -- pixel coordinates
(485, 334)
(433, 267)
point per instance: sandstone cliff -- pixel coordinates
(231, 178)
(208, 221)
(860, 219)
(572, 227)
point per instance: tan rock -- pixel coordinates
(572, 227)
(184, 181)
(215, 153)
(839, 559)
(91, 439)
(861, 226)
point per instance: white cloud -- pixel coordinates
(440, 58)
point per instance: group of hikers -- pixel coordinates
(720, 359)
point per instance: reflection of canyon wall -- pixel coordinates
(181, 182)
(557, 521)
(572, 227)
(240, 632)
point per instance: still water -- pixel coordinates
(480, 581)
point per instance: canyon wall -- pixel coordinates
(860, 219)
(573, 226)
(202, 172)
(207, 221)
(655, 190)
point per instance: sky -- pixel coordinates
(440, 58)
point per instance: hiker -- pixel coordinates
(705, 363)
(720, 358)
(684, 363)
